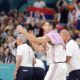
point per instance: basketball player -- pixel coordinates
(57, 65)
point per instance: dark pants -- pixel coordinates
(46, 66)
(74, 75)
(39, 73)
(25, 73)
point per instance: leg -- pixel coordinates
(25, 74)
(57, 72)
(77, 72)
(20, 74)
(61, 71)
(39, 73)
(72, 76)
(51, 72)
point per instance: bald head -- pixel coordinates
(65, 32)
(65, 35)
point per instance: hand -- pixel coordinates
(15, 73)
(20, 28)
(41, 49)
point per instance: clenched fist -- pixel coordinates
(20, 29)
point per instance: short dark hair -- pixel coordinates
(52, 23)
(30, 27)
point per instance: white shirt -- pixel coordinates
(49, 60)
(72, 50)
(27, 55)
(39, 64)
(40, 4)
(56, 53)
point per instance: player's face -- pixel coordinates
(18, 41)
(64, 37)
(46, 27)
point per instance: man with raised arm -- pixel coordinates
(57, 57)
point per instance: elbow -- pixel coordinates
(34, 61)
(68, 59)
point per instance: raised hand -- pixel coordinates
(20, 29)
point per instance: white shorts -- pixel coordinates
(57, 72)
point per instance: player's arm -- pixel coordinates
(58, 2)
(68, 58)
(18, 61)
(32, 38)
(40, 48)
(69, 52)
(75, 5)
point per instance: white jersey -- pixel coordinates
(56, 53)
(39, 64)
(49, 60)
(27, 55)
(73, 50)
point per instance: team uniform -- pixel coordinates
(25, 71)
(73, 51)
(38, 70)
(56, 58)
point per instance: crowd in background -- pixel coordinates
(64, 19)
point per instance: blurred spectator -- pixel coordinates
(12, 44)
(8, 58)
(39, 4)
(29, 18)
(63, 13)
(39, 17)
(78, 41)
(77, 15)
(1, 54)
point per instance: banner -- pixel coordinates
(43, 10)
(7, 71)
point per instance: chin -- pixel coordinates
(45, 32)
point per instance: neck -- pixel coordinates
(50, 30)
(19, 44)
(67, 40)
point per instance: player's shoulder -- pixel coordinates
(23, 46)
(71, 43)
